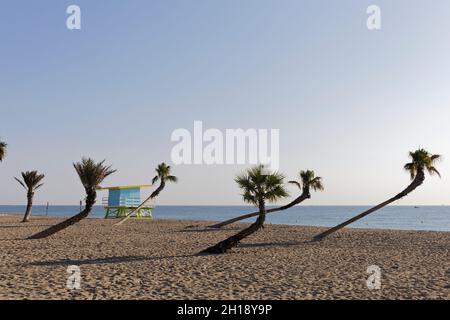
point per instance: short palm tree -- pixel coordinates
(3, 146)
(308, 181)
(258, 188)
(421, 161)
(91, 174)
(31, 181)
(163, 175)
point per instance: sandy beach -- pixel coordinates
(157, 260)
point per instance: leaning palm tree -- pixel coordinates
(422, 161)
(31, 182)
(308, 181)
(259, 187)
(3, 146)
(91, 175)
(162, 175)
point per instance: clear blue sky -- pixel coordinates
(349, 102)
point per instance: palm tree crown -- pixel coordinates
(91, 173)
(3, 146)
(163, 174)
(31, 180)
(258, 185)
(422, 160)
(309, 181)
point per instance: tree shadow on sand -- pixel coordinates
(207, 230)
(107, 260)
(26, 226)
(274, 244)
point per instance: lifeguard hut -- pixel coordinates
(122, 200)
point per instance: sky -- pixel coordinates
(350, 103)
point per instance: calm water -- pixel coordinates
(435, 218)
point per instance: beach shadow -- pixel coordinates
(273, 244)
(108, 260)
(26, 226)
(259, 245)
(208, 230)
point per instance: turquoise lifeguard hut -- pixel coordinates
(122, 200)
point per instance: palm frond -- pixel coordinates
(296, 183)
(316, 184)
(433, 170)
(276, 193)
(172, 179)
(411, 168)
(249, 197)
(21, 183)
(38, 186)
(3, 147)
(436, 157)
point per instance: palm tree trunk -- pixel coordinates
(227, 244)
(153, 195)
(305, 195)
(418, 180)
(90, 201)
(27, 215)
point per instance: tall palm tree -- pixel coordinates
(163, 175)
(258, 188)
(421, 161)
(32, 181)
(3, 146)
(91, 175)
(308, 181)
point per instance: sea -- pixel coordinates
(430, 218)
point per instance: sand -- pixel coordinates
(157, 260)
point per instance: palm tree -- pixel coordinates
(259, 187)
(308, 181)
(31, 182)
(163, 175)
(422, 161)
(91, 175)
(3, 146)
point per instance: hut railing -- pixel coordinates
(126, 202)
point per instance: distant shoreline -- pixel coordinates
(207, 222)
